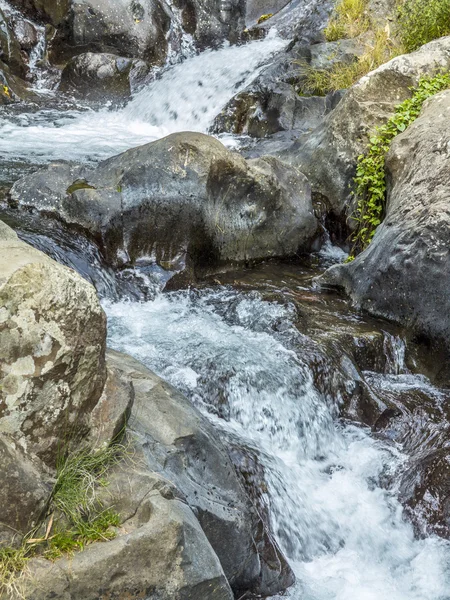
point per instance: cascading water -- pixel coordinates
(244, 363)
(186, 98)
(233, 354)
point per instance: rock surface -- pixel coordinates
(328, 155)
(272, 103)
(24, 492)
(409, 253)
(425, 491)
(160, 552)
(99, 76)
(182, 196)
(183, 447)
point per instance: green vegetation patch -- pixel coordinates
(349, 20)
(421, 21)
(342, 75)
(79, 184)
(74, 519)
(370, 180)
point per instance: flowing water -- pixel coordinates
(243, 360)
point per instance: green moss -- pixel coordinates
(264, 18)
(421, 21)
(79, 184)
(370, 180)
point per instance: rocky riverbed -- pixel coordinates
(265, 418)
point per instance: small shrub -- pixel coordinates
(370, 180)
(421, 21)
(349, 20)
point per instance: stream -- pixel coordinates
(238, 348)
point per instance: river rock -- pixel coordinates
(182, 196)
(52, 345)
(328, 155)
(24, 492)
(272, 102)
(160, 551)
(102, 76)
(425, 492)
(10, 49)
(403, 274)
(183, 447)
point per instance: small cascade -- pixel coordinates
(42, 77)
(234, 355)
(186, 97)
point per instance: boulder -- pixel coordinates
(182, 196)
(52, 350)
(404, 273)
(272, 102)
(300, 20)
(425, 492)
(160, 551)
(328, 155)
(137, 28)
(102, 76)
(24, 492)
(10, 49)
(184, 448)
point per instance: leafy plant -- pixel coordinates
(421, 21)
(350, 19)
(370, 180)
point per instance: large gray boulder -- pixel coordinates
(57, 394)
(24, 492)
(328, 155)
(160, 551)
(52, 352)
(184, 196)
(135, 28)
(404, 274)
(184, 448)
(100, 76)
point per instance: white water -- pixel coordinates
(344, 534)
(186, 98)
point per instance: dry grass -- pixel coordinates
(350, 20)
(342, 75)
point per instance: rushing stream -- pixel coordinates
(244, 362)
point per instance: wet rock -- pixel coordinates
(300, 20)
(328, 155)
(102, 76)
(135, 29)
(10, 50)
(53, 11)
(52, 344)
(272, 102)
(410, 249)
(182, 196)
(183, 447)
(160, 551)
(425, 492)
(23, 494)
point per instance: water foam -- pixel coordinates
(233, 355)
(185, 98)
